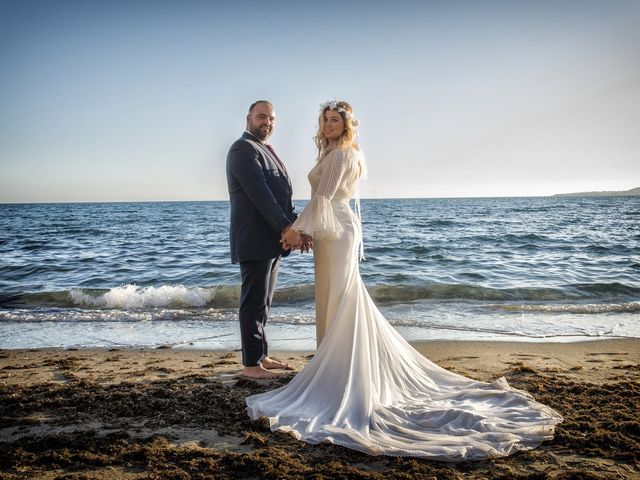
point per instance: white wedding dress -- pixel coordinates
(366, 388)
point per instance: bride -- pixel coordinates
(366, 388)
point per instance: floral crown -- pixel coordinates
(338, 106)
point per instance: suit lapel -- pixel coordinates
(268, 154)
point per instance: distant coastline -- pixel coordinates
(621, 193)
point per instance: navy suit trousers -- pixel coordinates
(258, 283)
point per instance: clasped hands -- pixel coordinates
(294, 240)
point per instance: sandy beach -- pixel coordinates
(179, 414)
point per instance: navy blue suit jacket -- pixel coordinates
(260, 197)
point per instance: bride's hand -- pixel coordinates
(292, 238)
(306, 243)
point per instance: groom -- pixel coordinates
(261, 216)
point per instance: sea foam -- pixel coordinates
(134, 297)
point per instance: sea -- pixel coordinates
(540, 269)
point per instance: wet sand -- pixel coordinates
(179, 414)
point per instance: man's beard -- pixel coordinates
(258, 133)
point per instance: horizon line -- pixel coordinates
(79, 202)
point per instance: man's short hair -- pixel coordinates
(257, 102)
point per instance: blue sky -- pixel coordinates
(140, 100)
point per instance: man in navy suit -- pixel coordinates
(261, 215)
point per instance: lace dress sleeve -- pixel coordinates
(318, 219)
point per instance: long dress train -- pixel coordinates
(366, 388)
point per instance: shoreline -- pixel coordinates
(421, 345)
(136, 413)
(471, 357)
(417, 344)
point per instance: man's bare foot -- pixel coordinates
(270, 364)
(258, 373)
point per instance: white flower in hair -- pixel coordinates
(333, 105)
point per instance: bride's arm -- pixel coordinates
(336, 166)
(318, 219)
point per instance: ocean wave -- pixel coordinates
(226, 320)
(134, 297)
(592, 308)
(125, 297)
(575, 292)
(76, 315)
(129, 297)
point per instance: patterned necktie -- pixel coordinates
(275, 156)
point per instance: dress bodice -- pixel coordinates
(336, 175)
(334, 181)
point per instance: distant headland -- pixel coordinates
(622, 193)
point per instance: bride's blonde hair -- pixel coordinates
(348, 138)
